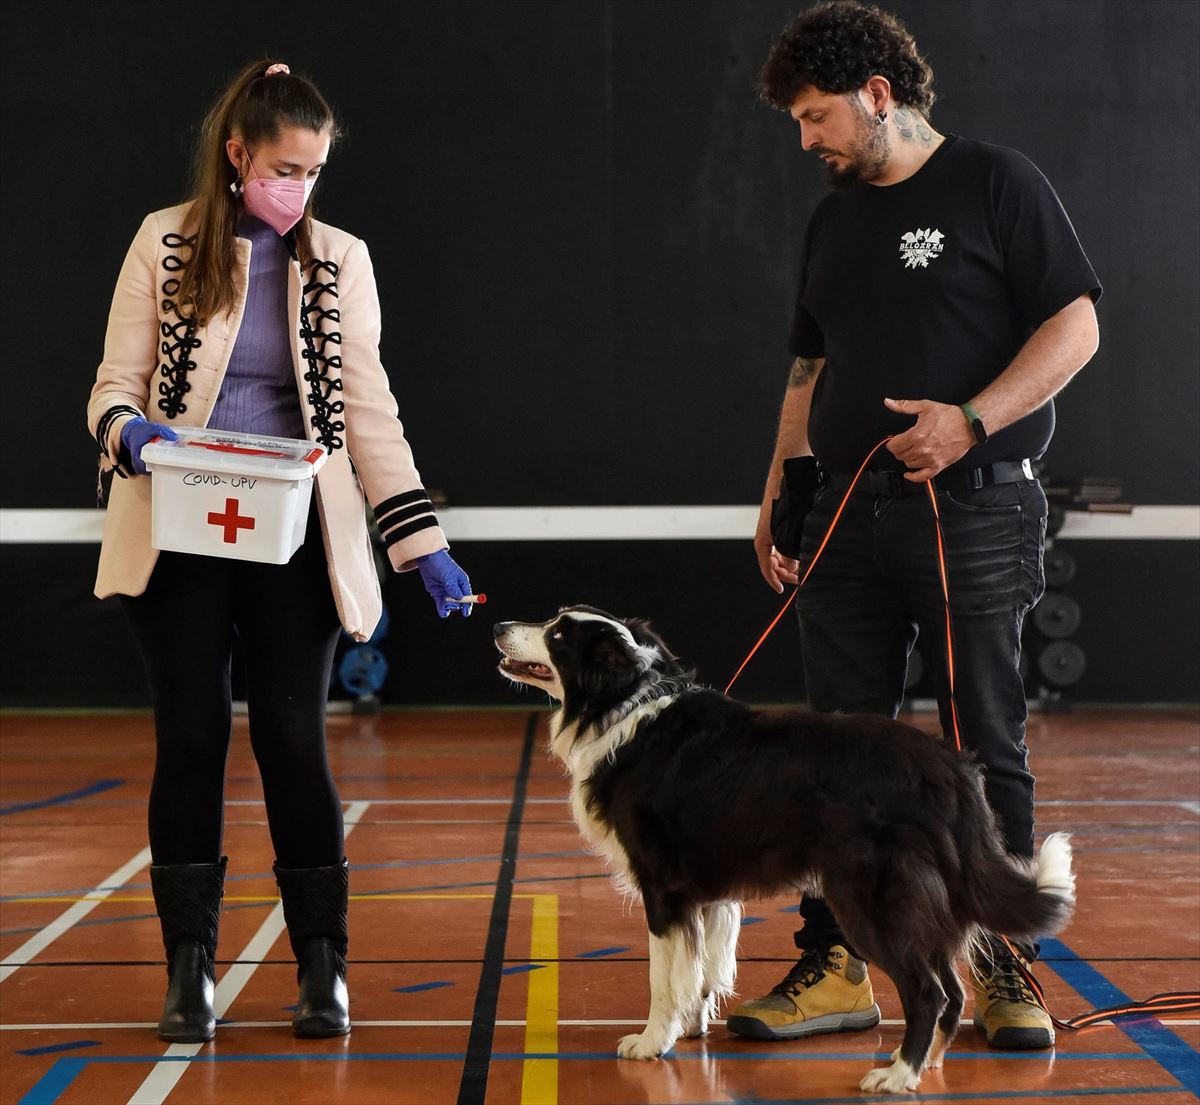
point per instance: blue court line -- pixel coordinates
(752, 920)
(1178, 1058)
(61, 799)
(66, 1069)
(49, 1049)
(522, 968)
(599, 952)
(418, 987)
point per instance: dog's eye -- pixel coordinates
(556, 635)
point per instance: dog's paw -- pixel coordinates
(639, 1045)
(898, 1078)
(933, 1061)
(706, 1011)
(937, 1052)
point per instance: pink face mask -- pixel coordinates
(279, 202)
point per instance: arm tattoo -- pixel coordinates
(804, 369)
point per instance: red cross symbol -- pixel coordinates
(231, 520)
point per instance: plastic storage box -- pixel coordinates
(219, 493)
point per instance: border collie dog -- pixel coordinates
(698, 802)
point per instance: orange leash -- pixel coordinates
(1177, 1002)
(941, 558)
(816, 556)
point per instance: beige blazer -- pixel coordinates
(160, 365)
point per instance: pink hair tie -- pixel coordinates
(277, 69)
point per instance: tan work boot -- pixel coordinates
(1005, 1007)
(828, 990)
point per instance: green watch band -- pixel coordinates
(977, 426)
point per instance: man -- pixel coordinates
(944, 300)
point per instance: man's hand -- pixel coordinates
(776, 569)
(940, 437)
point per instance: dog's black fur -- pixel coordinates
(712, 801)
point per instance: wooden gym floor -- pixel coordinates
(492, 962)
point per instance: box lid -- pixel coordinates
(237, 454)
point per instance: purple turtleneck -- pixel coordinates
(259, 393)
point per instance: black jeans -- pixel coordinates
(288, 626)
(877, 586)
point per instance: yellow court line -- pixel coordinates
(539, 1077)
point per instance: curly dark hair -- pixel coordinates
(837, 47)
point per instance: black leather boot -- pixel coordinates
(314, 907)
(188, 899)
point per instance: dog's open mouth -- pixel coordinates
(526, 669)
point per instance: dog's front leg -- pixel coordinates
(722, 925)
(676, 974)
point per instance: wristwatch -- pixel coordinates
(977, 426)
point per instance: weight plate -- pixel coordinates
(1062, 663)
(1057, 616)
(363, 670)
(1060, 568)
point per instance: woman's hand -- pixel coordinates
(136, 434)
(445, 581)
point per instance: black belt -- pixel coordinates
(890, 484)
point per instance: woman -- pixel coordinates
(238, 311)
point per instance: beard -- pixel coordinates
(866, 157)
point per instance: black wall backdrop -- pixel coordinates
(585, 229)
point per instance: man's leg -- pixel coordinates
(855, 640)
(994, 541)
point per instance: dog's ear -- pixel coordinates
(609, 665)
(644, 635)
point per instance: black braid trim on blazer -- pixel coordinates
(388, 505)
(178, 334)
(316, 341)
(407, 531)
(403, 515)
(106, 420)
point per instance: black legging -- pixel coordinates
(285, 618)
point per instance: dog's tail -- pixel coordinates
(1022, 898)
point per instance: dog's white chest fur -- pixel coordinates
(581, 756)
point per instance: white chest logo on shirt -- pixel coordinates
(919, 247)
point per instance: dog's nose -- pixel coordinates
(499, 629)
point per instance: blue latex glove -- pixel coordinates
(136, 433)
(445, 581)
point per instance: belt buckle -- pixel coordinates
(975, 479)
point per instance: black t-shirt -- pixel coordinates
(927, 289)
